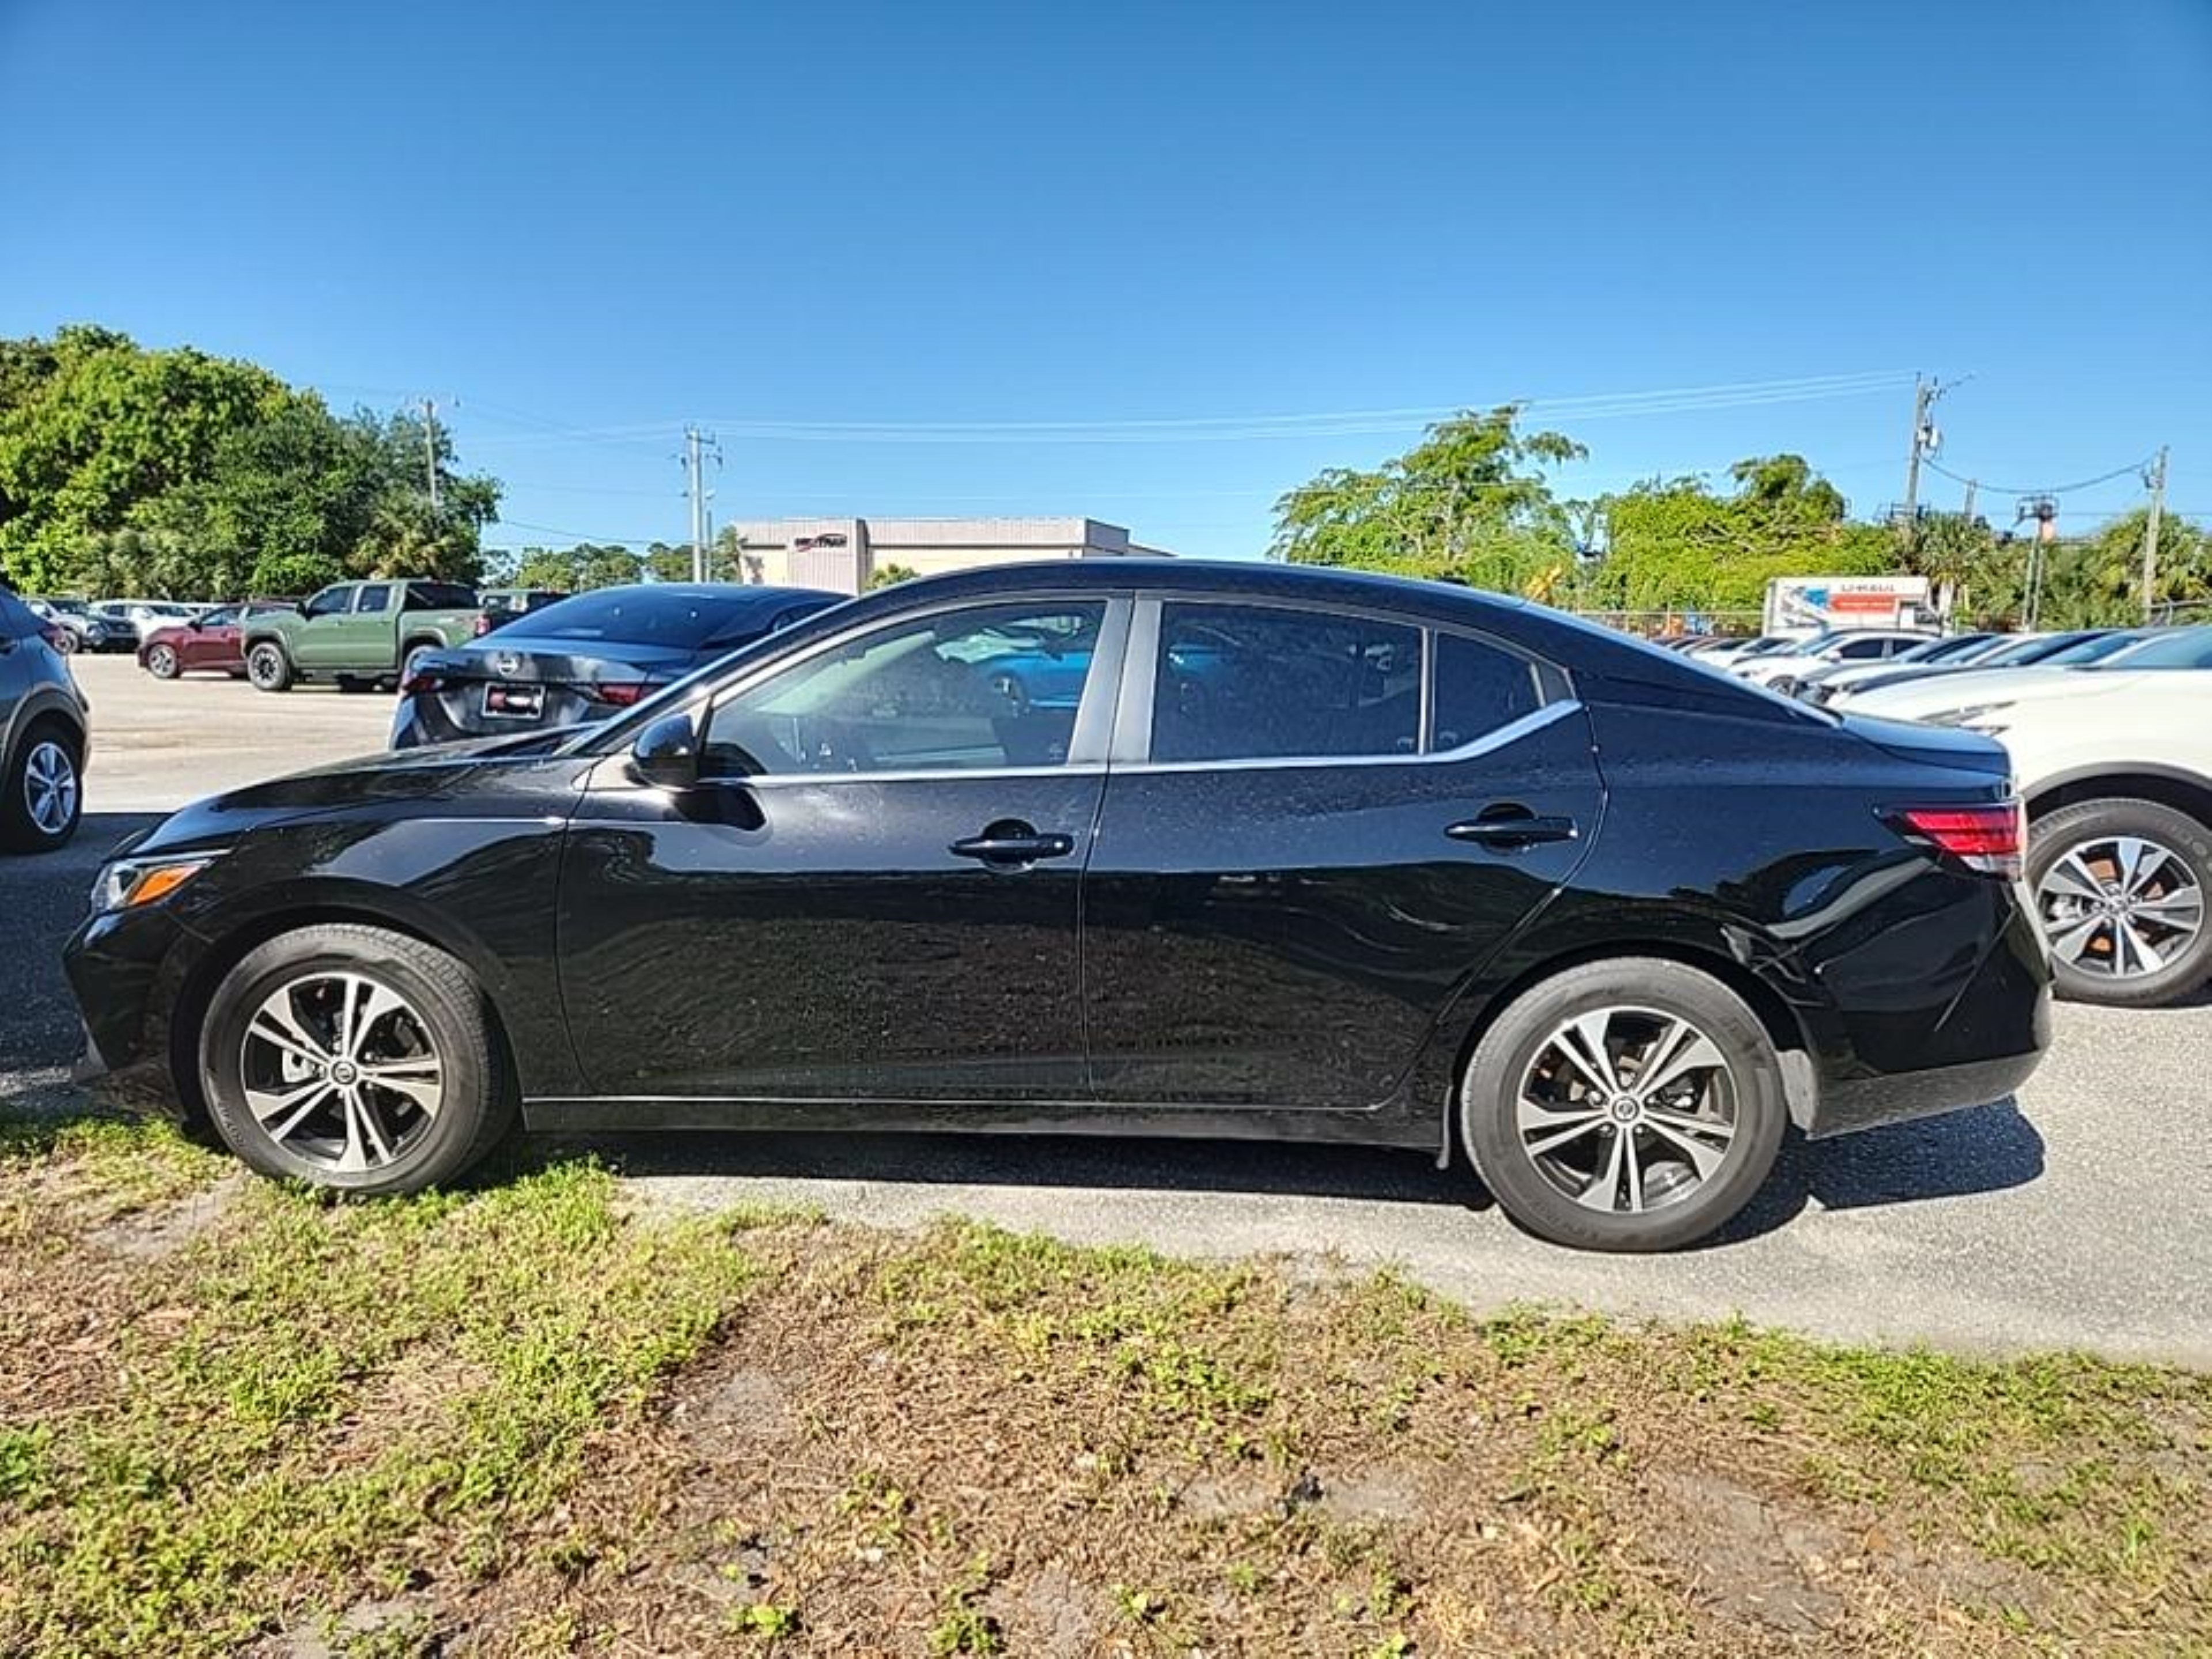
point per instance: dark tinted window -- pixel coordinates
(1479, 688)
(686, 619)
(221, 617)
(373, 599)
(1258, 682)
(1864, 650)
(981, 688)
(329, 602)
(439, 596)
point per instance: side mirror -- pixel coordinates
(666, 753)
(195, 622)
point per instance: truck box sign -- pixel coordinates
(1797, 605)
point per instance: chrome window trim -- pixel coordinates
(1512, 733)
(1131, 751)
(1087, 743)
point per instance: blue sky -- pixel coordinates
(586, 224)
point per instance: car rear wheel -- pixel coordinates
(1633, 1105)
(162, 662)
(42, 795)
(356, 1058)
(2121, 889)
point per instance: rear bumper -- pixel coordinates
(1842, 1107)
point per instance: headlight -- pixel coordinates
(131, 884)
(1975, 717)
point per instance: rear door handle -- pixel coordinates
(1523, 829)
(1003, 843)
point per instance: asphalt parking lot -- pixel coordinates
(2077, 1216)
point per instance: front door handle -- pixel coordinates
(1517, 829)
(1012, 843)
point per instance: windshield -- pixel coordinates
(2185, 647)
(2018, 652)
(1939, 650)
(2095, 649)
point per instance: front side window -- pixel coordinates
(983, 687)
(222, 617)
(330, 602)
(1244, 682)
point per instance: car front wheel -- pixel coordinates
(2120, 887)
(161, 663)
(1633, 1105)
(354, 1058)
(269, 668)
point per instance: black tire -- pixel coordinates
(162, 662)
(438, 993)
(24, 827)
(268, 668)
(1632, 987)
(2086, 953)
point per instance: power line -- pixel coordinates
(2039, 489)
(1241, 428)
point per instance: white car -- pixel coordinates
(1783, 669)
(142, 617)
(1819, 685)
(2113, 762)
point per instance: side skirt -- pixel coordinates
(601, 1114)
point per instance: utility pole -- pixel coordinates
(1968, 511)
(695, 444)
(1924, 395)
(430, 447)
(2150, 533)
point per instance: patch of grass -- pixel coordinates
(534, 1418)
(95, 1165)
(372, 1395)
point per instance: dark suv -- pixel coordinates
(42, 732)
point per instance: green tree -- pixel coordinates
(136, 472)
(1469, 502)
(576, 570)
(1674, 545)
(885, 575)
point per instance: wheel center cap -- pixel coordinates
(1627, 1108)
(344, 1073)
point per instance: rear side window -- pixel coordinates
(437, 596)
(1479, 688)
(1237, 682)
(372, 599)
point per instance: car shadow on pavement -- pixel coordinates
(1160, 1163)
(1986, 1150)
(1959, 1153)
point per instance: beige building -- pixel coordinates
(842, 553)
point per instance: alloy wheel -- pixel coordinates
(1626, 1109)
(2120, 906)
(50, 786)
(341, 1071)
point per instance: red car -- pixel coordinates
(209, 641)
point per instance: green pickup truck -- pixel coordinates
(360, 634)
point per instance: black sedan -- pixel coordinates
(581, 659)
(1312, 855)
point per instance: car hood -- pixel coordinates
(392, 777)
(1917, 699)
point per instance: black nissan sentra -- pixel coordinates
(1124, 847)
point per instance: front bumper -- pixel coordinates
(125, 970)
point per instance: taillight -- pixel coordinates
(55, 636)
(1988, 838)
(481, 626)
(622, 695)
